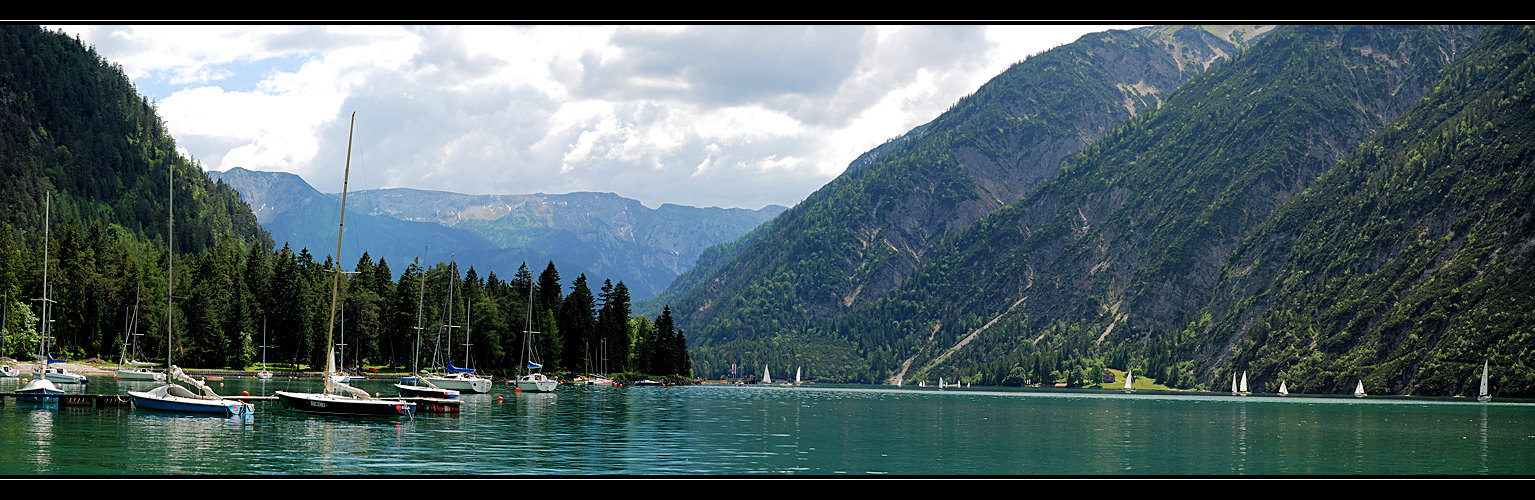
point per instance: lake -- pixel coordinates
(815, 430)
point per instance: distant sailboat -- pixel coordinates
(1483, 395)
(1234, 384)
(425, 388)
(796, 378)
(1359, 389)
(1243, 387)
(263, 374)
(1282, 390)
(1129, 380)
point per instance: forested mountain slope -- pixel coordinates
(1106, 262)
(860, 236)
(1408, 264)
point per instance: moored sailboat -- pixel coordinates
(1359, 389)
(172, 397)
(1242, 388)
(128, 366)
(264, 373)
(1129, 381)
(453, 377)
(425, 389)
(38, 389)
(1282, 390)
(335, 398)
(534, 380)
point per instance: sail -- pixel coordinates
(455, 369)
(1233, 383)
(1359, 390)
(1244, 382)
(1483, 394)
(1282, 390)
(766, 379)
(1129, 377)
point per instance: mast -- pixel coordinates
(335, 282)
(415, 365)
(170, 262)
(42, 345)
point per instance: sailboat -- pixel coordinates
(53, 374)
(1282, 390)
(1243, 387)
(1359, 390)
(1482, 395)
(427, 390)
(1234, 384)
(341, 399)
(453, 377)
(128, 368)
(172, 397)
(796, 376)
(263, 374)
(766, 378)
(534, 381)
(39, 387)
(1129, 379)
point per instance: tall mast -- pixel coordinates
(335, 282)
(170, 260)
(416, 359)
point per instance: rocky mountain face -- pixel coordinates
(600, 234)
(865, 232)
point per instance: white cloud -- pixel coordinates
(700, 115)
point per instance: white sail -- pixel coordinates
(1244, 382)
(796, 379)
(1233, 383)
(1129, 378)
(1483, 394)
(766, 379)
(1359, 389)
(1282, 390)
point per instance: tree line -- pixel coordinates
(110, 287)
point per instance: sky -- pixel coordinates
(738, 116)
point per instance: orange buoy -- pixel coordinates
(245, 393)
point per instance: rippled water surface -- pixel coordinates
(760, 431)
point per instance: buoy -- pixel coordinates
(519, 389)
(245, 393)
(498, 399)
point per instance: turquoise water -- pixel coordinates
(777, 431)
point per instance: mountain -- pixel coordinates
(1332, 204)
(602, 235)
(862, 235)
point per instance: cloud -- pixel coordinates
(737, 116)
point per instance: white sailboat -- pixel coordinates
(766, 378)
(796, 376)
(1242, 388)
(1359, 389)
(336, 398)
(453, 377)
(425, 389)
(264, 373)
(52, 374)
(1234, 384)
(172, 397)
(1482, 395)
(535, 380)
(40, 388)
(1282, 390)
(1129, 381)
(127, 367)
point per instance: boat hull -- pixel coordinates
(537, 383)
(59, 376)
(342, 405)
(418, 391)
(139, 375)
(40, 391)
(462, 384)
(161, 399)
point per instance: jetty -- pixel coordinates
(427, 405)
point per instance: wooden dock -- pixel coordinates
(423, 405)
